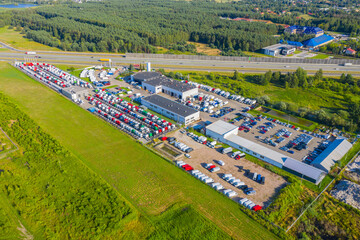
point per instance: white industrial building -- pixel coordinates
(278, 49)
(333, 153)
(75, 92)
(156, 83)
(228, 133)
(173, 110)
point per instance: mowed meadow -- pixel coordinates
(175, 203)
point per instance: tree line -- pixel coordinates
(141, 26)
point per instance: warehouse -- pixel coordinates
(173, 110)
(228, 133)
(277, 49)
(333, 153)
(145, 76)
(318, 41)
(156, 83)
(75, 92)
(219, 131)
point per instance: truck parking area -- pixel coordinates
(203, 155)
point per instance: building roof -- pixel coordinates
(318, 40)
(313, 30)
(350, 50)
(145, 76)
(334, 152)
(75, 89)
(278, 46)
(297, 44)
(221, 127)
(304, 169)
(170, 83)
(170, 105)
(257, 148)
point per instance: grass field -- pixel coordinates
(320, 56)
(312, 98)
(146, 180)
(17, 40)
(205, 49)
(306, 16)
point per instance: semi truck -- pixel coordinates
(30, 53)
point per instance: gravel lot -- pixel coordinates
(347, 192)
(353, 170)
(203, 154)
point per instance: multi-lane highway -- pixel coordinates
(185, 64)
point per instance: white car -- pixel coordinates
(221, 163)
(187, 155)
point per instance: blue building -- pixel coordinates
(318, 41)
(304, 30)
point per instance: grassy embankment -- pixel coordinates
(18, 41)
(146, 180)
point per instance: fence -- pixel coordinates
(244, 59)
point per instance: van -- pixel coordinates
(235, 153)
(254, 176)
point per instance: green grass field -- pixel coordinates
(17, 40)
(320, 56)
(312, 98)
(147, 181)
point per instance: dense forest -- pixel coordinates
(107, 27)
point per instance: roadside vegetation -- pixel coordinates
(325, 100)
(15, 37)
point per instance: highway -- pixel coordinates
(176, 64)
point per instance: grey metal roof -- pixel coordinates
(278, 46)
(75, 89)
(334, 152)
(259, 149)
(170, 83)
(145, 76)
(304, 169)
(170, 105)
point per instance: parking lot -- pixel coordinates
(202, 155)
(254, 133)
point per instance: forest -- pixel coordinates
(145, 25)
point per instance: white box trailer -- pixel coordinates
(243, 200)
(231, 194)
(227, 175)
(227, 150)
(219, 187)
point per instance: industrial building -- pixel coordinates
(318, 41)
(156, 83)
(333, 153)
(75, 92)
(304, 30)
(171, 109)
(279, 49)
(228, 133)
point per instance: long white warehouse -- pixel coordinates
(228, 133)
